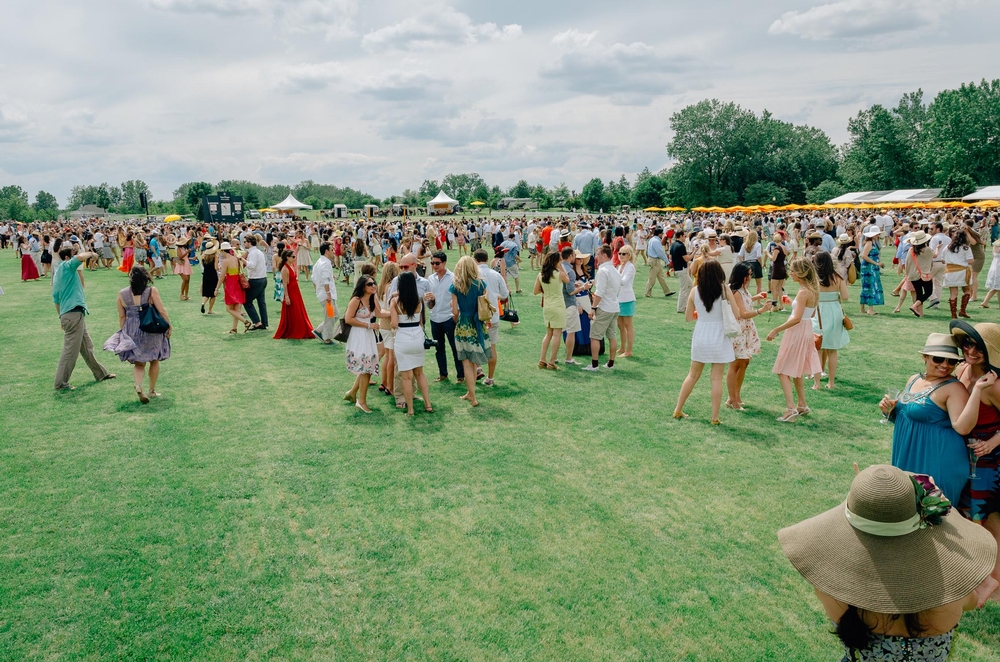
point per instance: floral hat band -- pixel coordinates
(932, 505)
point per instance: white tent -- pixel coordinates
(985, 193)
(290, 203)
(441, 203)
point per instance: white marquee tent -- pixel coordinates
(441, 203)
(985, 193)
(290, 203)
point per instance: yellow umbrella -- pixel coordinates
(736, 208)
(652, 209)
(172, 218)
(267, 210)
(988, 203)
(674, 209)
(477, 203)
(699, 208)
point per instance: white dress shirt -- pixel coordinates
(441, 312)
(256, 264)
(496, 289)
(609, 284)
(322, 276)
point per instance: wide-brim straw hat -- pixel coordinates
(919, 237)
(211, 247)
(226, 246)
(815, 234)
(941, 344)
(986, 335)
(901, 571)
(740, 232)
(577, 255)
(873, 232)
(845, 239)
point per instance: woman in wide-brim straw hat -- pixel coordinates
(929, 437)
(894, 566)
(209, 273)
(980, 345)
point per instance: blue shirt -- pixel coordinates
(829, 244)
(654, 249)
(512, 250)
(587, 242)
(67, 290)
(154, 247)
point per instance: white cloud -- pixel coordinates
(335, 18)
(437, 26)
(14, 125)
(628, 74)
(308, 76)
(862, 19)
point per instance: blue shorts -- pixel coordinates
(626, 309)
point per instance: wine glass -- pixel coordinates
(890, 394)
(972, 461)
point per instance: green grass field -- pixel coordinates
(251, 514)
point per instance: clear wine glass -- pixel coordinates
(972, 462)
(890, 394)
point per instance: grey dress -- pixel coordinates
(148, 346)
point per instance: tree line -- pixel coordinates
(722, 155)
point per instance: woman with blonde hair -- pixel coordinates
(470, 340)
(390, 271)
(626, 299)
(549, 284)
(797, 355)
(233, 293)
(751, 252)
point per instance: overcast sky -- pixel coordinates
(382, 95)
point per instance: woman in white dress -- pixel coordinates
(409, 340)
(992, 279)
(709, 343)
(385, 327)
(640, 237)
(361, 349)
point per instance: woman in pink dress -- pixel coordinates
(182, 267)
(797, 356)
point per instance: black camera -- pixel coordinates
(430, 342)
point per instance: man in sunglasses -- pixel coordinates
(442, 323)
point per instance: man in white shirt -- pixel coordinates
(442, 323)
(496, 289)
(940, 241)
(257, 276)
(326, 292)
(604, 314)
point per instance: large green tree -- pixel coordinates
(593, 196)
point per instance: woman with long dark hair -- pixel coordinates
(362, 348)
(294, 324)
(709, 344)
(747, 344)
(549, 284)
(143, 348)
(958, 261)
(829, 319)
(409, 340)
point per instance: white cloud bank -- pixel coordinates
(437, 26)
(862, 19)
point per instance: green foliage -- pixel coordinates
(193, 193)
(765, 193)
(14, 204)
(962, 133)
(957, 185)
(464, 187)
(826, 190)
(592, 195)
(520, 190)
(45, 201)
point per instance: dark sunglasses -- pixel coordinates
(404, 267)
(434, 264)
(968, 343)
(938, 360)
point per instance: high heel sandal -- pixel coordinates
(802, 411)
(790, 415)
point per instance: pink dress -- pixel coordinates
(797, 356)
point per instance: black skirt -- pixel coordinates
(209, 279)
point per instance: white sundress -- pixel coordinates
(709, 343)
(993, 277)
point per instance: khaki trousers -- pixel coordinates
(683, 290)
(937, 273)
(76, 342)
(329, 325)
(656, 276)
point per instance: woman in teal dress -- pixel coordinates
(929, 437)
(871, 272)
(471, 347)
(829, 319)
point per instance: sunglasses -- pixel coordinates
(968, 343)
(938, 360)
(404, 267)
(434, 264)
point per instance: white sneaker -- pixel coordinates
(572, 362)
(608, 366)
(590, 368)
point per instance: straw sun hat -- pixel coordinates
(941, 344)
(919, 237)
(879, 552)
(986, 335)
(845, 239)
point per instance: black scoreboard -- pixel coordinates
(223, 208)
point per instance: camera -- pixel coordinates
(430, 342)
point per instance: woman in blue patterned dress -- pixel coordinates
(871, 272)
(470, 340)
(133, 344)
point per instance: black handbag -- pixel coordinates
(343, 331)
(509, 314)
(150, 319)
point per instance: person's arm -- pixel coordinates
(286, 280)
(504, 291)
(741, 311)
(154, 298)
(843, 289)
(350, 316)
(121, 311)
(794, 318)
(970, 413)
(537, 289)
(864, 253)
(956, 397)
(454, 307)
(562, 276)
(379, 312)
(690, 314)
(393, 317)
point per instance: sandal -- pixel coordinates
(790, 415)
(551, 366)
(715, 422)
(429, 410)
(679, 415)
(802, 411)
(232, 330)
(142, 396)
(350, 398)
(542, 365)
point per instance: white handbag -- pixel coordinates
(730, 324)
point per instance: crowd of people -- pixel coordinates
(405, 300)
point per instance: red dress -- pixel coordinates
(28, 269)
(128, 258)
(295, 324)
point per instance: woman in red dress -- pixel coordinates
(29, 270)
(128, 255)
(295, 324)
(233, 293)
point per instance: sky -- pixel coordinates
(382, 95)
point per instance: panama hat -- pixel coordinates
(740, 232)
(226, 246)
(986, 335)
(919, 237)
(941, 344)
(710, 233)
(845, 239)
(581, 256)
(873, 232)
(815, 234)
(884, 551)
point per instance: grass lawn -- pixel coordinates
(250, 513)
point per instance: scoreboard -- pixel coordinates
(223, 208)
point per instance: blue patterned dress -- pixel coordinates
(470, 341)
(871, 280)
